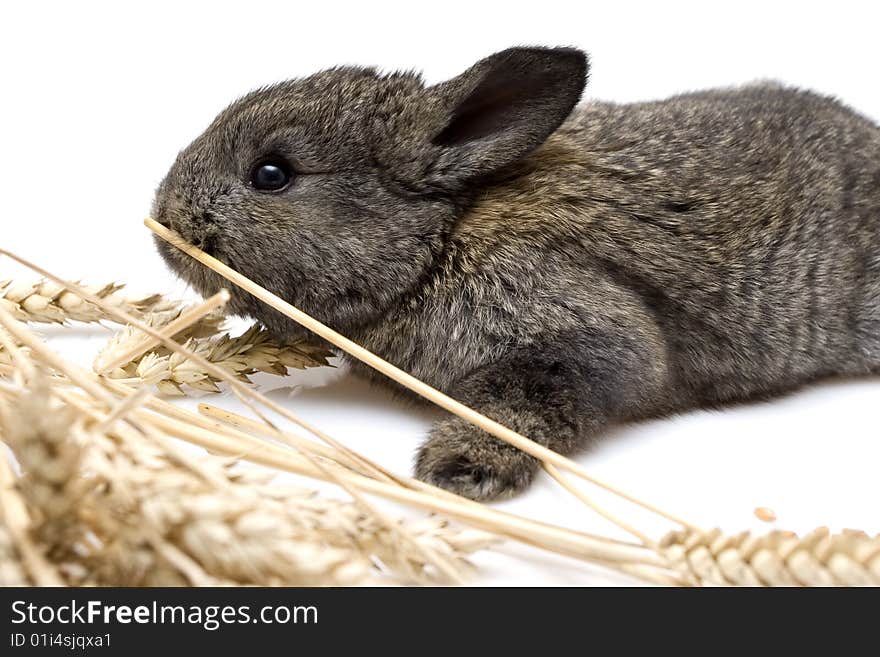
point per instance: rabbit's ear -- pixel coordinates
(503, 107)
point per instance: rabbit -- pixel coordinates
(559, 267)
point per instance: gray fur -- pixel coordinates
(634, 261)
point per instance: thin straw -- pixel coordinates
(610, 517)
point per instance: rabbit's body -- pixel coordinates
(645, 259)
(732, 236)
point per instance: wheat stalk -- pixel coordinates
(50, 303)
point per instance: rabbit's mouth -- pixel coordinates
(205, 281)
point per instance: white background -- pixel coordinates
(98, 98)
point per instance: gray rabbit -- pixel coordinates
(559, 269)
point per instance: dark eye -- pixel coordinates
(271, 175)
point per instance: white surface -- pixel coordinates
(97, 100)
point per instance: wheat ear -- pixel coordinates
(241, 356)
(49, 303)
(777, 558)
(108, 361)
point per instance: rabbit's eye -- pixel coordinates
(271, 175)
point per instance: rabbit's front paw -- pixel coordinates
(467, 461)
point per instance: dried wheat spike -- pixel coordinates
(778, 558)
(130, 336)
(251, 352)
(39, 428)
(48, 303)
